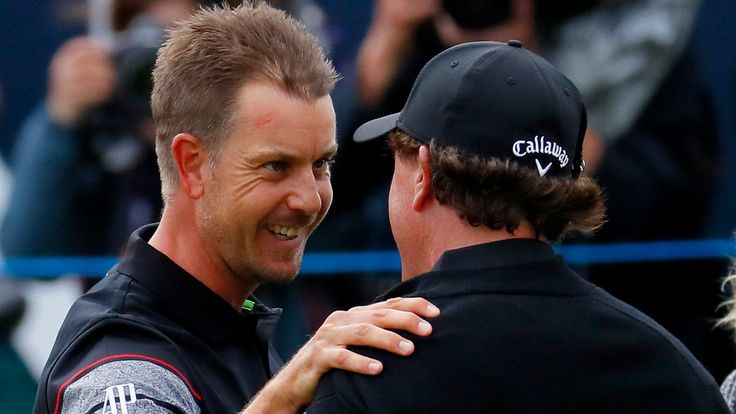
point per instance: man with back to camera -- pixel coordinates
(245, 134)
(487, 155)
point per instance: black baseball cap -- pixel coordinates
(494, 100)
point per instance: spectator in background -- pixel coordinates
(671, 175)
(84, 167)
(618, 78)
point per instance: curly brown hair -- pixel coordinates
(500, 194)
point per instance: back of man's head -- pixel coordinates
(505, 131)
(209, 57)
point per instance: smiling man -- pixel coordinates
(245, 135)
(270, 190)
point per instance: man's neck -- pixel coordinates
(178, 238)
(453, 235)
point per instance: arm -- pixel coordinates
(386, 42)
(116, 365)
(294, 386)
(127, 385)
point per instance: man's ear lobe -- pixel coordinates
(190, 159)
(423, 180)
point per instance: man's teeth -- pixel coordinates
(283, 230)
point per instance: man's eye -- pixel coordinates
(322, 164)
(276, 166)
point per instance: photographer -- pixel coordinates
(84, 167)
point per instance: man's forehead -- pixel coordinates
(268, 96)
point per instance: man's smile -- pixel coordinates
(284, 232)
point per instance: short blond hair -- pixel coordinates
(207, 59)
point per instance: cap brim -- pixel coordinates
(376, 128)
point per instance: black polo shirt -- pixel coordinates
(150, 338)
(520, 332)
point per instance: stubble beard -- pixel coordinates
(249, 266)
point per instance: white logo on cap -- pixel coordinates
(541, 145)
(542, 171)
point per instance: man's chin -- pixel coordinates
(281, 273)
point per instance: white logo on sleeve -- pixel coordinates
(117, 399)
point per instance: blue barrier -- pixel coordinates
(648, 251)
(389, 261)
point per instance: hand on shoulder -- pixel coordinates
(371, 325)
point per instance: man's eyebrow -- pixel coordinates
(267, 154)
(331, 152)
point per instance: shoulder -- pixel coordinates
(634, 325)
(334, 395)
(126, 383)
(403, 386)
(119, 362)
(637, 323)
(104, 356)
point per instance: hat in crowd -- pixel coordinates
(494, 100)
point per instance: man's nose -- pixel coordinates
(305, 196)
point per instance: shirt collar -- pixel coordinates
(506, 266)
(189, 301)
(509, 252)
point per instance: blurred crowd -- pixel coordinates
(658, 79)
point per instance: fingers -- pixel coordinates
(327, 349)
(372, 326)
(369, 326)
(392, 319)
(371, 323)
(329, 344)
(347, 360)
(379, 335)
(297, 381)
(418, 306)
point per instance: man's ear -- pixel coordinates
(422, 180)
(190, 159)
